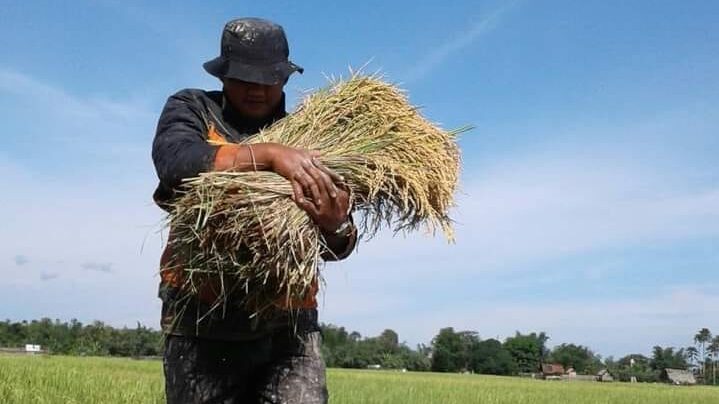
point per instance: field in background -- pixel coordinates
(57, 379)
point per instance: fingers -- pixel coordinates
(344, 204)
(297, 192)
(326, 212)
(314, 183)
(303, 176)
(308, 207)
(336, 178)
(305, 182)
(310, 178)
(325, 179)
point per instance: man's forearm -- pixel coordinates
(269, 156)
(244, 157)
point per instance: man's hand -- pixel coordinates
(328, 213)
(314, 186)
(309, 178)
(330, 204)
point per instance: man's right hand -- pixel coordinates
(309, 178)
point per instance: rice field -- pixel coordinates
(56, 379)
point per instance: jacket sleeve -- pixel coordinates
(180, 149)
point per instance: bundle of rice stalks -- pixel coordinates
(244, 229)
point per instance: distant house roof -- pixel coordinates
(678, 376)
(605, 376)
(552, 369)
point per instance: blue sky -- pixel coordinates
(589, 203)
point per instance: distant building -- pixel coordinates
(28, 349)
(604, 376)
(31, 348)
(552, 371)
(571, 375)
(678, 377)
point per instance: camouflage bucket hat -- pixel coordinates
(253, 50)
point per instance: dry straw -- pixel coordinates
(243, 229)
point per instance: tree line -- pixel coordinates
(449, 351)
(522, 353)
(76, 338)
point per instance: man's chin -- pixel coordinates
(256, 113)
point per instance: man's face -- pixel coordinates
(256, 101)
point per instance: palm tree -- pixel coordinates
(714, 351)
(702, 337)
(692, 355)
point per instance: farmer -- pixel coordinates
(225, 355)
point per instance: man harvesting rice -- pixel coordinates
(224, 354)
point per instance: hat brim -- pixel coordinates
(277, 73)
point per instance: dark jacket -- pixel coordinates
(180, 150)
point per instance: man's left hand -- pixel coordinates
(326, 211)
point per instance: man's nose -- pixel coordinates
(256, 89)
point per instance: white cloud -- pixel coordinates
(98, 266)
(47, 276)
(81, 126)
(436, 57)
(73, 107)
(516, 217)
(85, 227)
(21, 260)
(531, 209)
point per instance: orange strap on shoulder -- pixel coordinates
(215, 137)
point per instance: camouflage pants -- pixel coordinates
(280, 368)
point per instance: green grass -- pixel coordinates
(347, 386)
(56, 379)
